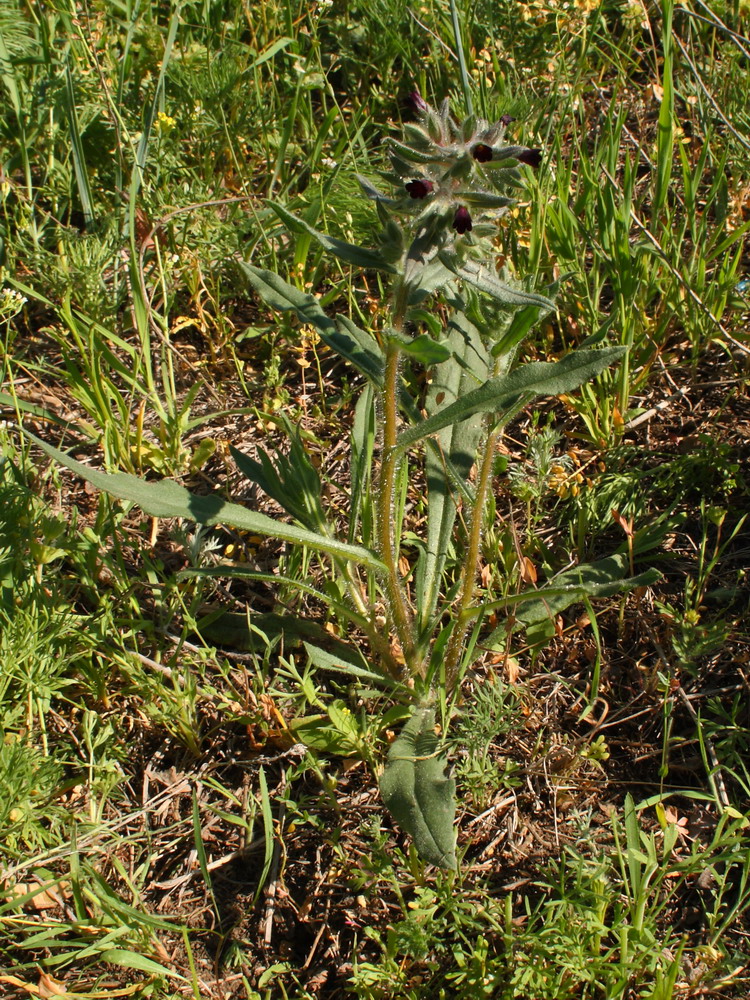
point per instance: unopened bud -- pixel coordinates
(417, 102)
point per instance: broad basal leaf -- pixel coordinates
(417, 792)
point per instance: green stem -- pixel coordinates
(471, 562)
(378, 642)
(399, 609)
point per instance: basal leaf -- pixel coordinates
(417, 792)
(351, 663)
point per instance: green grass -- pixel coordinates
(161, 828)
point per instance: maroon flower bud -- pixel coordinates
(506, 120)
(531, 157)
(462, 220)
(416, 101)
(482, 153)
(419, 188)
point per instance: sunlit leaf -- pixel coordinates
(418, 793)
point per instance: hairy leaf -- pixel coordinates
(342, 336)
(603, 578)
(348, 661)
(485, 281)
(417, 792)
(168, 499)
(359, 256)
(373, 193)
(426, 350)
(485, 199)
(453, 455)
(498, 395)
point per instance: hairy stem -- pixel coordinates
(399, 608)
(471, 562)
(378, 643)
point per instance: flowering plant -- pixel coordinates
(457, 318)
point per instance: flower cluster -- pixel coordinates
(451, 165)
(11, 303)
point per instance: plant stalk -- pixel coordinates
(402, 619)
(471, 561)
(378, 642)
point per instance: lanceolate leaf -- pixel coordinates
(373, 193)
(352, 664)
(417, 792)
(426, 350)
(168, 499)
(485, 281)
(359, 256)
(409, 153)
(279, 294)
(485, 199)
(342, 336)
(603, 578)
(228, 570)
(359, 348)
(498, 395)
(363, 437)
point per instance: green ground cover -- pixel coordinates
(168, 826)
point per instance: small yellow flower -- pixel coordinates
(164, 124)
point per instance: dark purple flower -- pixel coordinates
(416, 101)
(419, 188)
(506, 120)
(462, 220)
(531, 157)
(482, 152)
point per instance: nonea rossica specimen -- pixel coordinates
(441, 379)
